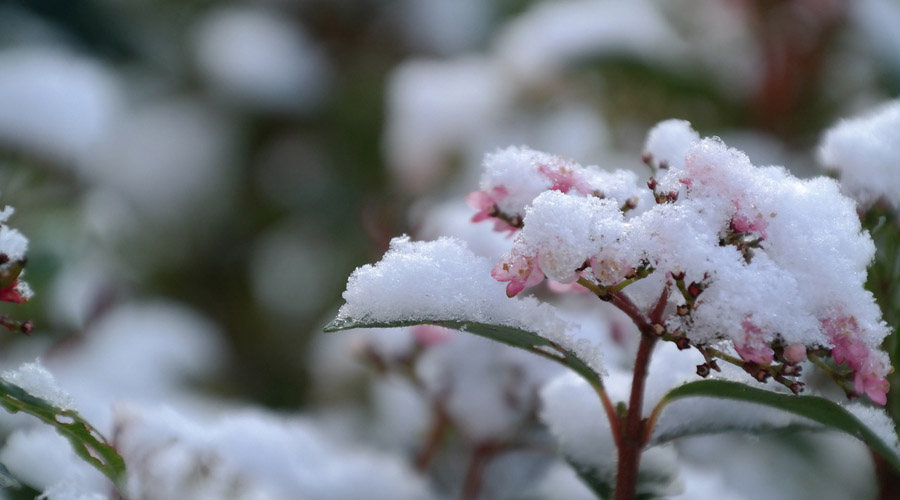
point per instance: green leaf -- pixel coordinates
(523, 339)
(7, 480)
(87, 443)
(815, 408)
(600, 485)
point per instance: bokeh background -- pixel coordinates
(206, 174)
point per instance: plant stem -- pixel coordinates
(481, 455)
(438, 428)
(632, 440)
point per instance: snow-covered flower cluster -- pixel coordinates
(759, 261)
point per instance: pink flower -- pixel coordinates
(431, 335)
(848, 348)
(486, 205)
(609, 270)
(12, 293)
(795, 353)
(871, 385)
(754, 349)
(564, 180)
(743, 224)
(871, 367)
(566, 287)
(521, 271)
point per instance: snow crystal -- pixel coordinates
(40, 383)
(866, 153)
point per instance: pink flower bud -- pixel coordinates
(795, 353)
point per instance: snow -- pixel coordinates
(260, 58)
(865, 151)
(443, 280)
(40, 383)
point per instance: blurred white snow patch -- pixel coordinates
(866, 153)
(454, 218)
(719, 42)
(487, 389)
(139, 352)
(701, 415)
(444, 280)
(165, 158)
(40, 383)
(260, 58)
(436, 109)
(878, 421)
(576, 418)
(81, 289)
(561, 481)
(55, 103)
(443, 27)
(703, 483)
(65, 491)
(799, 466)
(538, 44)
(573, 130)
(42, 458)
(402, 413)
(877, 20)
(253, 455)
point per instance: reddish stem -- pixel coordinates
(481, 456)
(438, 427)
(632, 442)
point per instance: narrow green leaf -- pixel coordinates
(7, 480)
(601, 486)
(815, 408)
(522, 339)
(87, 443)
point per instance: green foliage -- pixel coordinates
(87, 443)
(515, 337)
(820, 410)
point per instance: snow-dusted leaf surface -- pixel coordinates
(852, 420)
(443, 283)
(87, 443)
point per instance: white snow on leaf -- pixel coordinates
(40, 383)
(443, 280)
